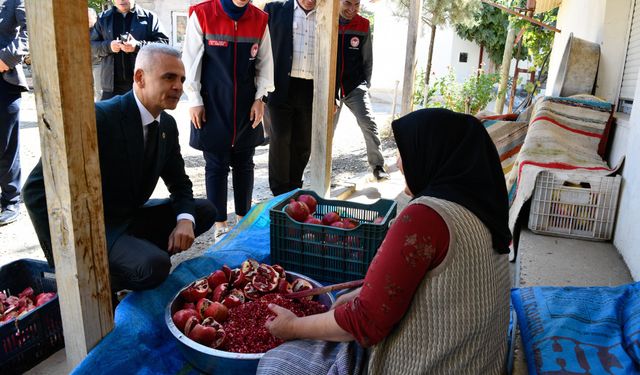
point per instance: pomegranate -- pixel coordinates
(215, 310)
(280, 270)
(249, 267)
(310, 201)
(284, 286)
(43, 298)
(196, 290)
(350, 223)
(181, 316)
(237, 279)
(298, 211)
(27, 292)
(250, 292)
(220, 336)
(216, 278)
(313, 220)
(330, 218)
(189, 306)
(301, 284)
(204, 334)
(378, 220)
(233, 300)
(266, 278)
(227, 271)
(220, 292)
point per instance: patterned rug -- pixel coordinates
(563, 134)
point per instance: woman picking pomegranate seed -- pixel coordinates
(436, 296)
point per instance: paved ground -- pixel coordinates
(18, 239)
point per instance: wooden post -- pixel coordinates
(415, 8)
(504, 70)
(324, 82)
(59, 39)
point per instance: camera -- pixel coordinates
(124, 37)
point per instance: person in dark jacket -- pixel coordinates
(292, 24)
(13, 48)
(116, 39)
(227, 55)
(353, 75)
(138, 145)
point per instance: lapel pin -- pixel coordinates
(164, 135)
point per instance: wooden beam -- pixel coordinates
(525, 17)
(324, 81)
(415, 8)
(59, 39)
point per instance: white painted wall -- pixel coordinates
(627, 236)
(607, 22)
(165, 9)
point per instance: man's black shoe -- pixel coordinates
(9, 214)
(380, 174)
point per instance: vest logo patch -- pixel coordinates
(355, 42)
(218, 43)
(254, 50)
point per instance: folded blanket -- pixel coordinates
(508, 136)
(563, 134)
(580, 330)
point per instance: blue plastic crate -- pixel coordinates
(327, 253)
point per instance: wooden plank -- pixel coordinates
(525, 17)
(415, 8)
(326, 54)
(60, 52)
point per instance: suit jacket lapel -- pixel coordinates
(132, 128)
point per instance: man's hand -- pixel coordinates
(116, 46)
(281, 326)
(181, 238)
(197, 116)
(130, 45)
(3, 67)
(256, 113)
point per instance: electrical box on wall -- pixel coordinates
(463, 57)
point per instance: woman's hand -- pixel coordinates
(197, 115)
(346, 298)
(282, 325)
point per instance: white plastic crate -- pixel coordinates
(574, 205)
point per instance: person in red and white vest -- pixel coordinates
(353, 76)
(229, 71)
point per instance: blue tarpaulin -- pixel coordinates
(580, 330)
(141, 343)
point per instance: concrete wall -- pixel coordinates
(607, 23)
(166, 10)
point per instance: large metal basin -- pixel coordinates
(212, 361)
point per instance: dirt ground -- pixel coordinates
(18, 240)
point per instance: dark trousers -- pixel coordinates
(139, 258)
(9, 143)
(216, 174)
(290, 146)
(118, 89)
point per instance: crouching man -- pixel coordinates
(138, 144)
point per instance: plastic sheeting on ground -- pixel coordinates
(141, 343)
(580, 330)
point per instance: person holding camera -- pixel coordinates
(116, 39)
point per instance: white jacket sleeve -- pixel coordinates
(192, 53)
(264, 67)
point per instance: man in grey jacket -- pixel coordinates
(116, 39)
(13, 48)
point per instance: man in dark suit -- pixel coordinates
(116, 39)
(13, 48)
(138, 144)
(292, 24)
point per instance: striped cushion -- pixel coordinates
(508, 136)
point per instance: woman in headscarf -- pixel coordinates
(436, 295)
